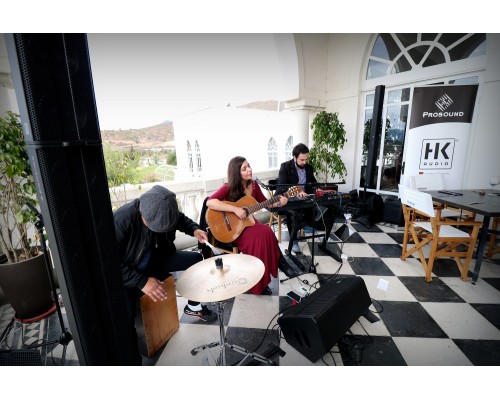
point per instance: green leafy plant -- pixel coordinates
(329, 137)
(121, 168)
(17, 186)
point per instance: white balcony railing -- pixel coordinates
(190, 193)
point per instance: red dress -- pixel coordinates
(257, 240)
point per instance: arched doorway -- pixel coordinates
(400, 62)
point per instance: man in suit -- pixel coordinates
(297, 172)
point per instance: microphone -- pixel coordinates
(255, 179)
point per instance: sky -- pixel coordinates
(142, 80)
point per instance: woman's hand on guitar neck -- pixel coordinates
(281, 202)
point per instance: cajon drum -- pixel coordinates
(160, 318)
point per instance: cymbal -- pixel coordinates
(206, 282)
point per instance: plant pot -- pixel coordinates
(27, 289)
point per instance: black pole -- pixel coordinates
(375, 134)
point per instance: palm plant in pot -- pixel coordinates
(23, 271)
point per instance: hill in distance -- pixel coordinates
(161, 135)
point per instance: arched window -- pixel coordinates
(189, 156)
(198, 156)
(289, 148)
(394, 53)
(272, 153)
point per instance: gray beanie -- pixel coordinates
(159, 208)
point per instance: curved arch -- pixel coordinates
(288, 64)
(395, 50)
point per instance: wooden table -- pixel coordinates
(486, 205)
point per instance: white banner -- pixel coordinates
(438, 135)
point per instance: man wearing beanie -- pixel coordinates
(145, 229)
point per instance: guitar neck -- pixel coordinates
(265, 204)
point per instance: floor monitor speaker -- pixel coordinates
(314, 325)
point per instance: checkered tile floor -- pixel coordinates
(41, 340)
(446, 322)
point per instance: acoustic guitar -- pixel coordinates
(226, 226)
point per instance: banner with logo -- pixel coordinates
(438, 135)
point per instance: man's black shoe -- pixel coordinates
(287, 269)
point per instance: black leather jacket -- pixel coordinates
(134, 238)
(288, 174)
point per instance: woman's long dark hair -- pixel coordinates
(236, 191)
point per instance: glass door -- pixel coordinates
(390, 154)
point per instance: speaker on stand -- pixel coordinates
(53, 83)
(370, 178)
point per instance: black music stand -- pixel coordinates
(339, 238)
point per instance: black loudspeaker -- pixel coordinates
(53, 82)
(314, 325)
(375, 135)
(393, 211)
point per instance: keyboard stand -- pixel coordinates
(308, 269)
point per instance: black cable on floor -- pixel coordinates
(331, 353)
(380, 305)
(267, 329)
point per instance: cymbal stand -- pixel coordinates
(223, 344)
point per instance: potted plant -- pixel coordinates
(329, 136)
(23, 272)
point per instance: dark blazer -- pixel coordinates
(288, 174)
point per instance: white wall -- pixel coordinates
(223, 133)
(312, 57)
(7, 95)
(484, 151)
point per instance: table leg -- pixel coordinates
(480, 248)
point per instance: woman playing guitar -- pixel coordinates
(251, 237)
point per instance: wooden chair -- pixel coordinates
(493, 247)
(425, 225)
(436, 182)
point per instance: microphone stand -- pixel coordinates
(261, 183)
(65, 337)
